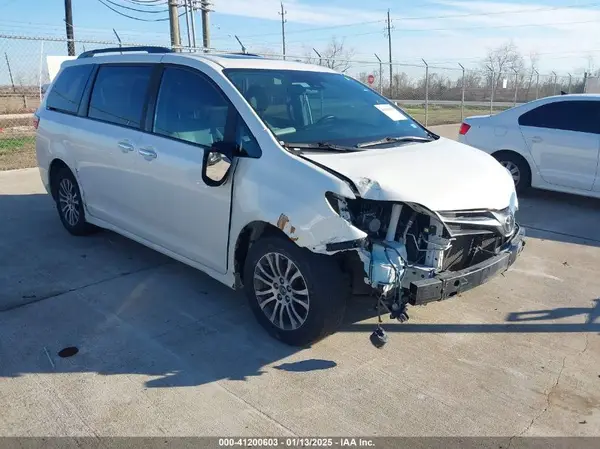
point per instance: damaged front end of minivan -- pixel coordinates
(413, 255)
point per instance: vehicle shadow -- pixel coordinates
(592, 314)
(130, 311)
(513, 323)
(560, 217)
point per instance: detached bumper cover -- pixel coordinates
(449, 283)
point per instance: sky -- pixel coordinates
(442, 32)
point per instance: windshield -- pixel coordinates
(317, 107)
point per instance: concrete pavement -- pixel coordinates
(165, 350)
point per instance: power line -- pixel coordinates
(505, 12)
(309, 30)
(135, 9)
(150, 3)
(133, 17)
(545, 24)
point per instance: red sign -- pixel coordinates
(371, 79)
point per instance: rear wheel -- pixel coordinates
(69, 204)
(298, 296)
(517, 167)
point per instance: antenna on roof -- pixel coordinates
(241, 45)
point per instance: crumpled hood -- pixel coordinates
(440, 175)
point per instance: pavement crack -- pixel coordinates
(81, 287)
(545, 409)
(587, 342)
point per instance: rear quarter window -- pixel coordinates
(119, 94)
(67, 91)
(579, 115)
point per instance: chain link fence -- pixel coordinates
(432, 94)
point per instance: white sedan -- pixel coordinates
(552, 143)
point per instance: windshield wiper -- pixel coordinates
(324, 146)
(393, 140)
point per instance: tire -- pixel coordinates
(518, 167)
(69, 204)
(321, 286)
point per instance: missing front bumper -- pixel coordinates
(447, 284)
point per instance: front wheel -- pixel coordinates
(69, 204)
(298, 296)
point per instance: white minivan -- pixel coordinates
(295, 182)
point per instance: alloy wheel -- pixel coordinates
(281, 291)
(513, 169)
(69, 201)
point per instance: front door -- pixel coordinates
(564, 140)
(174, 207)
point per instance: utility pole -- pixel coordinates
(174, 25)
(282, 14)
(69, 22)
(380, 74)
(389, 33)
(204, 5)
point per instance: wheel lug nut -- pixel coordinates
(289, 289)
(278, 296)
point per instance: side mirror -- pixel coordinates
(226, 149)
(217, 161)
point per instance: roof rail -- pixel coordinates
(149, 49)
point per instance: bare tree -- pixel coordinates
(336, 55)
(502, 60)
(533, 67)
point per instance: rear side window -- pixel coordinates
(190, 108)
(119, 94)
(581, 116)
(68, 89)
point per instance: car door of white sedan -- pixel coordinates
(564, 140)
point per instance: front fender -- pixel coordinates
(296, 203)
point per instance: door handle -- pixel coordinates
(126, 146)
(148, 153)
(536, 139)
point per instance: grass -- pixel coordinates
(17, 152)
(442, 115)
